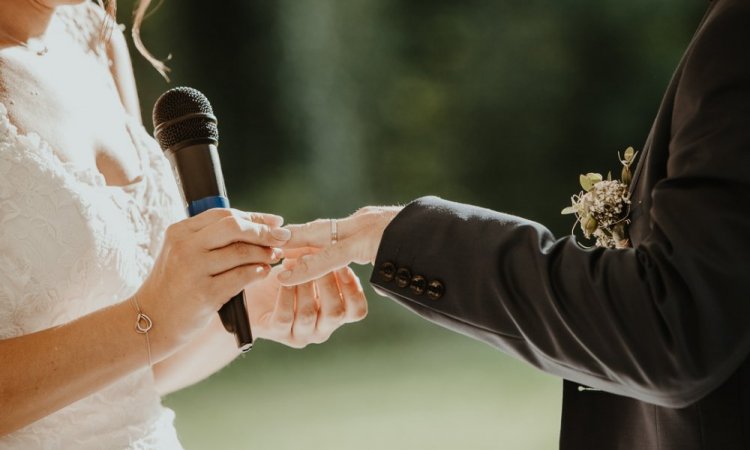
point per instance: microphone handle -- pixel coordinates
(235, 319)
(233, 314)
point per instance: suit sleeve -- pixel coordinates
(665, 322)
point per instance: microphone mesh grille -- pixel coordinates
(179, 102)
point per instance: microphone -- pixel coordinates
(186, 129)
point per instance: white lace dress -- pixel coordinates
(70, 245)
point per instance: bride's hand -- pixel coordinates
(358, 239)
(204, 261)
(296, 316)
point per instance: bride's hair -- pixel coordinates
(138, 15)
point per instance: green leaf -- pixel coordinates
(629, 155)
(588, 224)
(589, 180)
(569, 210)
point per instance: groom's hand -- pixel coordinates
(307, 313)
(357, 240)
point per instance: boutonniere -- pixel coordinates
(602, 208)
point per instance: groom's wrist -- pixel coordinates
(395, 268)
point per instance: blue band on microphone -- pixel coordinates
(198, 206)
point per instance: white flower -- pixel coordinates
(602, 208)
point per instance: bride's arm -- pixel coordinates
(45, 371)
(213, 349)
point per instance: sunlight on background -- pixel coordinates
(325, 106)
(424, 390)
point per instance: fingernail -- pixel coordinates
(277, 254)
(281, 234)
(285, 275)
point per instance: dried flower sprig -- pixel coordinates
(603, 207)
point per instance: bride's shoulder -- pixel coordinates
(106, 32)
(87, 16)
(89, 24)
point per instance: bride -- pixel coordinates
(93, 237)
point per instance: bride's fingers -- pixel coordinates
(305, 314)
(233, 228)
(239, 254)
(208, 217)
(318, 233)
(229, 283)
(332, 310)
(311, 267)
(272, 220)
(353, 295)
(282, 316)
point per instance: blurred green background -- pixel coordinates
(326, 106)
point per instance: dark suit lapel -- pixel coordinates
(652, 164)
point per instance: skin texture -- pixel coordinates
(228, 250)
(359, 237)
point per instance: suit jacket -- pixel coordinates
(661, 331)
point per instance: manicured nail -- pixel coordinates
(281, 234)
(285, 275)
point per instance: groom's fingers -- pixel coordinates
(353, 295)
(296, 253)
(282, 316)
(318, 233)
(332, 309)
(311, 267)
(305, 313)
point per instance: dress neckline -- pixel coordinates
(78, 26)
(89, 176)
(95, 177)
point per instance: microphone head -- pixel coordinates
(184, 115)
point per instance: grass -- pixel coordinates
(397, 384)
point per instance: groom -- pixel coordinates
(653, 340)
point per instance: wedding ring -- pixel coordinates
(334, 232)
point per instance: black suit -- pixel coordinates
(662, 330)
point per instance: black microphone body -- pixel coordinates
(185, 127)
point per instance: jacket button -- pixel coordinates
(403, 277)
(435, 289)
(387, 271)
(418, 285)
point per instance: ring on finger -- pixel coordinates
(334, 232)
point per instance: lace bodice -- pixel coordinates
(70, 245)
